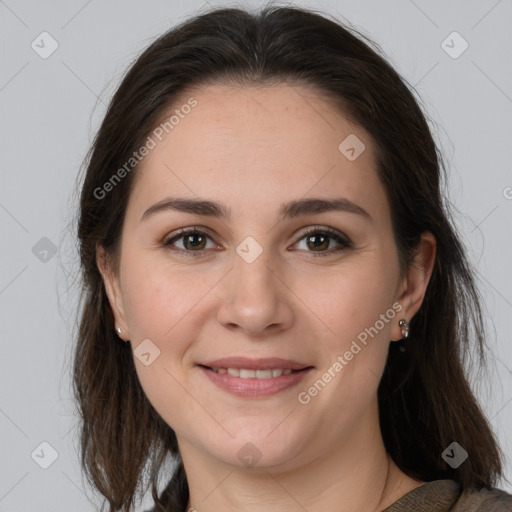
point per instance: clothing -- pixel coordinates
(446, 496)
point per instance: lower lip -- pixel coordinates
(254, 388)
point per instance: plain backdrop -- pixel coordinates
(51, 107)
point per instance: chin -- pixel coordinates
(258, 452)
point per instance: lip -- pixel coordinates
(253, 387)
(255, 364)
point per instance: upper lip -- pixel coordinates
(255, 364)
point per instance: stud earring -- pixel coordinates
(118, 331)
(404, 326)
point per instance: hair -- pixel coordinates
(425, 399)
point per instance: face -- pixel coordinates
(264, 273)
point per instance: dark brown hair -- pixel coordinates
(425, 400)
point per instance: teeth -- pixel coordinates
(244, 373)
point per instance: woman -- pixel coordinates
(274, 293)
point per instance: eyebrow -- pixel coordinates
(288, 210)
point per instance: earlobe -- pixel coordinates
(416, 280)
(112, 289)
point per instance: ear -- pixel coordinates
(113, 290)
(414, 284)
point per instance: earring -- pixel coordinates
(118, 331)
(404, 326)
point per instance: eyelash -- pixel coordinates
(316, 230)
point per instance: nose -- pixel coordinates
(255, 299)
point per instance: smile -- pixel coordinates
(254, 383)
(245, 373)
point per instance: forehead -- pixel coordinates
(257, 146)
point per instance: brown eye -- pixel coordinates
(323, 241)
(189, 241)
(194, 241)
(317, 242)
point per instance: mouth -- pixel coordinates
(254, 378)
(246, 373)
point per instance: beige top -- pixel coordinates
(446, 496)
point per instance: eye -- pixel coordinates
(319, 240)
(191, 240)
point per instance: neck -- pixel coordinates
(355, 475)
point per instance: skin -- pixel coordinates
(254, 148)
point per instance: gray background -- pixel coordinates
(50, 110)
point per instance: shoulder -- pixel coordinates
(484, 500)
(448, 496)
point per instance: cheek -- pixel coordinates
(159, 306)
(151, 305)
(350, 300)
(159, 298)
(355, 352)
